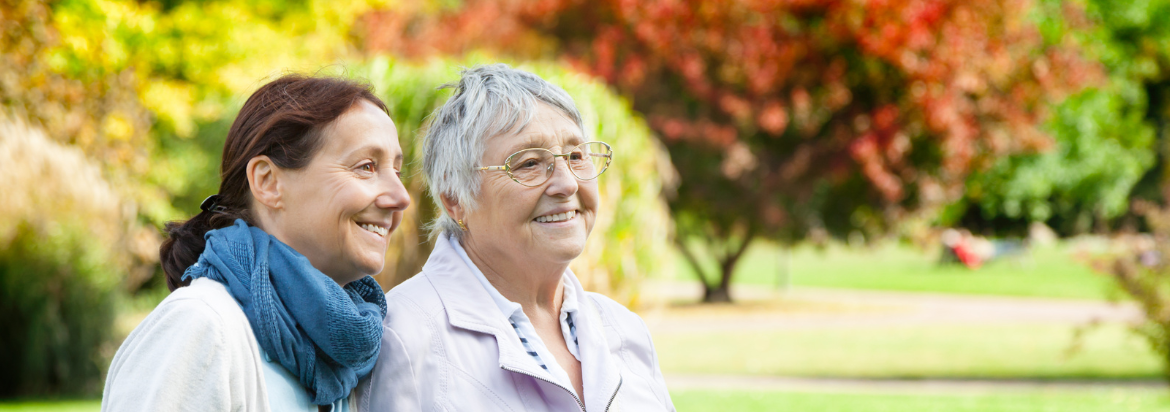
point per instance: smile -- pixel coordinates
(378, 230)
(558, 217)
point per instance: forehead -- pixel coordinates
(549, 128)
(364, 128)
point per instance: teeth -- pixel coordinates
(559, 217)
(381, 231)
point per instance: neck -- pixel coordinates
(536, 286)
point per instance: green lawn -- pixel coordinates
(1121, 400)
(1051, 271)
(993, 351)
(1127, 400)
(51, 406)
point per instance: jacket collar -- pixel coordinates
(599, 370)
(470, 307)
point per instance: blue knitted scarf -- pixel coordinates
(326, 335)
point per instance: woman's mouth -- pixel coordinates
(375, 229)
(557, 217)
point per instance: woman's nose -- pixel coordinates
(562, 182)
(393, 194)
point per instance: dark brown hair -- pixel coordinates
(281, 120)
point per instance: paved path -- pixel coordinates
(813, 308)
(907, 386)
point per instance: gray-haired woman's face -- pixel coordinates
(550, 222)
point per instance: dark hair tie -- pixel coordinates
(211, 204)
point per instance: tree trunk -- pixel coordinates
(716, 294)
(719, 289)
(722, 292)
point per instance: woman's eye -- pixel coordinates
(528, 163)
(367, 167)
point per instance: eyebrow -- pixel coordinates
(538, 140)
(373, 151)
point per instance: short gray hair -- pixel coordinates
(488, 101)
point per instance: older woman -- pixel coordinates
(273, 307)
(496, 320)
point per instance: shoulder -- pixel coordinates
(413, 305)
(197, 339)
(413, 310)
(631, 343)
(204, 309)
(625, 329)
(615, 314)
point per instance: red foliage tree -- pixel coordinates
(790, 118)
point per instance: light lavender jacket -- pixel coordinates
(447, 347)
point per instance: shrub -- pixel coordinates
(56, 300)
(1142, 269)
(65, 250)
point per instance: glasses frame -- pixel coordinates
(548, 175)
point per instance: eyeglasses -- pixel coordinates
(533, 167)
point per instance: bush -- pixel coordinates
(65, 249)
(1142, 268)
(57, 301)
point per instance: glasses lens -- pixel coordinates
(590, 159)
(530, 166)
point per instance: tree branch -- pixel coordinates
(692, 259)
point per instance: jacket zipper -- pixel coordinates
(614, 396)
(579, 403)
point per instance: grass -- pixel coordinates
(93, 405)
(991, 351)
(1108, 351)
(1111, 400)
(1053, 271)
(1127, 400)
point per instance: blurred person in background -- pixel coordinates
(273, 305)
(496, 320)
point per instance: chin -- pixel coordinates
(370, 267)
(566, 250)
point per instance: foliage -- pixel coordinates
(1142, 270)
(188, 64)
(1132, 39)
(632, 225)
(119, 89)
(790, 118)
(56, 322)
(63, 258)
(1104, 138)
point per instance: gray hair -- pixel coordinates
(488, 101)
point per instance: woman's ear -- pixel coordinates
(452, 207)
(264, 182)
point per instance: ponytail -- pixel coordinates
(185, 240)
(183, 246)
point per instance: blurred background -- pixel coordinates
(816, 205)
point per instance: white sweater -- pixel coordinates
(194, 352)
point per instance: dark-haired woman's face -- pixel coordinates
(339, 210)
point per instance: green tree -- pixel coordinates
(1109, 142)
